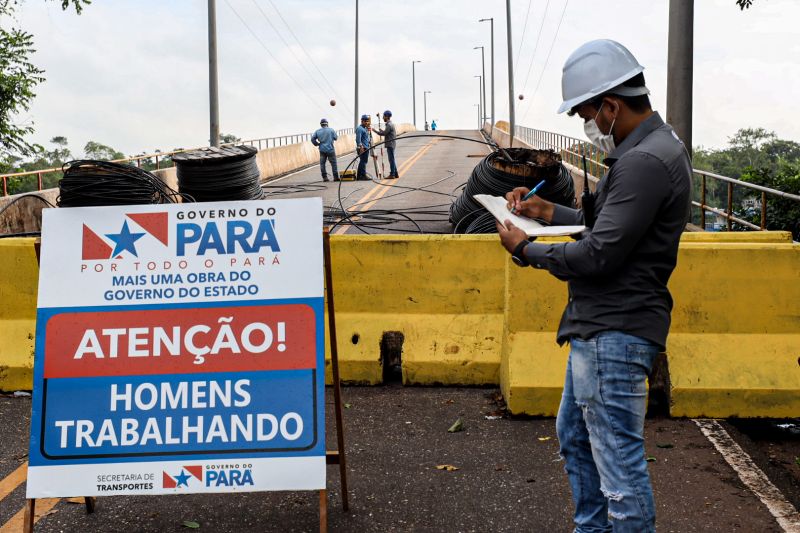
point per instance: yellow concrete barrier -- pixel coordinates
(734, 345)
(19, 274)
(444, 293)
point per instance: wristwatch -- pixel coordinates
(518, 255)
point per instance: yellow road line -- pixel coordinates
(379, 190)
(13, 480)
(16, 523)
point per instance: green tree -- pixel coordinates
(744, 4)
(758, 156)
(18, 80)
(95, 150)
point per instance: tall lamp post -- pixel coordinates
(414, 91)
(213, 88)
(480, 85)
(491, 23)
(479, 113)
(511, 118)
(483, 82)
(425, 106)
(355, 112)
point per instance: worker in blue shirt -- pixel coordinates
(433, 124)
(362, 147)
(323, 139)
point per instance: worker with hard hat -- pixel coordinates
(390, 134)
(618, 311)
(323, 139)
(362, 147)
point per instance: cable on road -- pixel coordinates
(89, 182)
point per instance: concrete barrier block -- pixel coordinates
(19, 274)
(724, 375)
(443, 293)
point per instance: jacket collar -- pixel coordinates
(648, 126)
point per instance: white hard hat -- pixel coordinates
(595, 68)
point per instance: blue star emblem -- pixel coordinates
(183, 479)
(124, 240)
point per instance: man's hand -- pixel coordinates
(510, 235)
(533, 207)
(360, 150)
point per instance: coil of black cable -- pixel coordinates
(218, 174)
(88, 182)
(496, 176)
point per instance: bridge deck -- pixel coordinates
(431, 168)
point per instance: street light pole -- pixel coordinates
(355, 112)
(491, 21)
(213, 86)
(680, 58)
(480, 92)
(425, 107)
(479, 112)
(414, 91)
(483, 73)
(511, 120)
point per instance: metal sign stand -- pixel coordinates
(332, 457)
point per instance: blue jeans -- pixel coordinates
(328, 156)
(392, 165)
(600, 429)
(362, 165)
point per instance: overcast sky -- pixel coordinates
(134, 74)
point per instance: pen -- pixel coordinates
(531, 193)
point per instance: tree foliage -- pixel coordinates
(18, 80)
(757, 156)
(744, 4)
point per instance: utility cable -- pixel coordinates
(275, 59)
(288, 47)
(522, 40)
(88, 182)
(23, 197)
(219, 174)
(535, 48)
(310, 58)
(486, 178)
(546, 61)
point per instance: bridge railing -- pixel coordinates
(164, 159)
(572, 150)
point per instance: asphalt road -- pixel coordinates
(509, 477)
(432, 168)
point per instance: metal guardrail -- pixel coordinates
(160, 157)
(572, 150)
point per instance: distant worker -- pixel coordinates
(617, 316)
(362, 147)
(390, 134)
(323, 139)
(426, 126)
(433, 125)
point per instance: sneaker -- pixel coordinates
(392, 177)
(325, 178)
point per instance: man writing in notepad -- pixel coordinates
(618, 311)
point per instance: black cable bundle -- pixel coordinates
(530, 167)
(93, 183)
(218, 174)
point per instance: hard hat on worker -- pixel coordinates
(387, 113)
(364, 117)
(598, 67)
(323, 121)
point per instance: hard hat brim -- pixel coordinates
(612, 87)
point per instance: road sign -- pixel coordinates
(179, 349)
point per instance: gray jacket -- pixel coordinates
(389, 132)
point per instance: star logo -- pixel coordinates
(183, 479)
(125, 240)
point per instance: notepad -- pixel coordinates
(497, 207)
